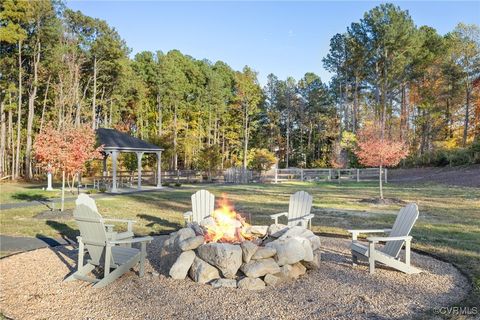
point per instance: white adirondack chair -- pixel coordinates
(203, 203)
(298, 210)
(104, 250)
(111, 234)
(388, 254)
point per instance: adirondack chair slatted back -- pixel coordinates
(403, 225)
(203, 204)
(300, 206)
(88, 201)
(92, 228)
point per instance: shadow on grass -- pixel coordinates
(30, 197)
(161, 222)
(65, 231)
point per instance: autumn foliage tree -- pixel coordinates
(375, 149)
(66, 150)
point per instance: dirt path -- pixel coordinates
(457, 176)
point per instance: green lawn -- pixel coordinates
(448, 227)
(25, 192)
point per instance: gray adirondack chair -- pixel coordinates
(111, 234)
(298, 210)
(104, 250)
(398, 235)
(203, 204)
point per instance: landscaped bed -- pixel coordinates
(32, 288)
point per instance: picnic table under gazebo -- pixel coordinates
(115, 142)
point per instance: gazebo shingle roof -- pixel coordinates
(112, 139)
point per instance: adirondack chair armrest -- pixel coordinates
(275, 216)
(188, 216)
(119, 220)
(128, 222)
(355, 233)
(134, 240)
(308, 217)
(386, 239)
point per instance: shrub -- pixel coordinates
(459, 157)
(178, 184)
(440, 158)
(210, 159)
(261, 159)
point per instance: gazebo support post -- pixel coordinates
(139, 168)
(114, 171)
(104, 162)
(159, 170)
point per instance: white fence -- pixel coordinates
(327, 174)
(240, 175)
(237, 175)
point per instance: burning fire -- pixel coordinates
(229, 225)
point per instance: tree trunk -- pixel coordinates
(78, 112)
(63, 190)
(10, 140)
(381, 183)
(94, 101)
(209, 128)
(110, 113)
(223, 147)
(42, 119)
(384, 94)
(216, 134)
(175, 155)
(467, 115)
(287, 154)
(19, 112)
(159, 108)
(403, 112)
(31, 113)
(2, 138)
(355, 107)
(245, 137)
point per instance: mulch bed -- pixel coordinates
(67, 214)
(32, 288)
(385, 201)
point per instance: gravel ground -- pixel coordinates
(32, 288)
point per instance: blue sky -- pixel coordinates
(284, 38)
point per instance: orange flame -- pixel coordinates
(229, 225)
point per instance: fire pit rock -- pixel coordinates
(274, 255)
(226, 257)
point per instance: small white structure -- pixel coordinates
(203, 204)
(102, 249)
(49, 181)
(114, 142)
(389, 254)
(298, 210)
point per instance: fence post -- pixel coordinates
(329, 174)
(301, 174)
(386, 180)
(338, 172)
(358, 175)
(276, 175)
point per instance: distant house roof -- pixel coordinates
(112, 139)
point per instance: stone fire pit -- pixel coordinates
(274, 254)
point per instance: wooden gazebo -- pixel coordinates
(114, 142)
